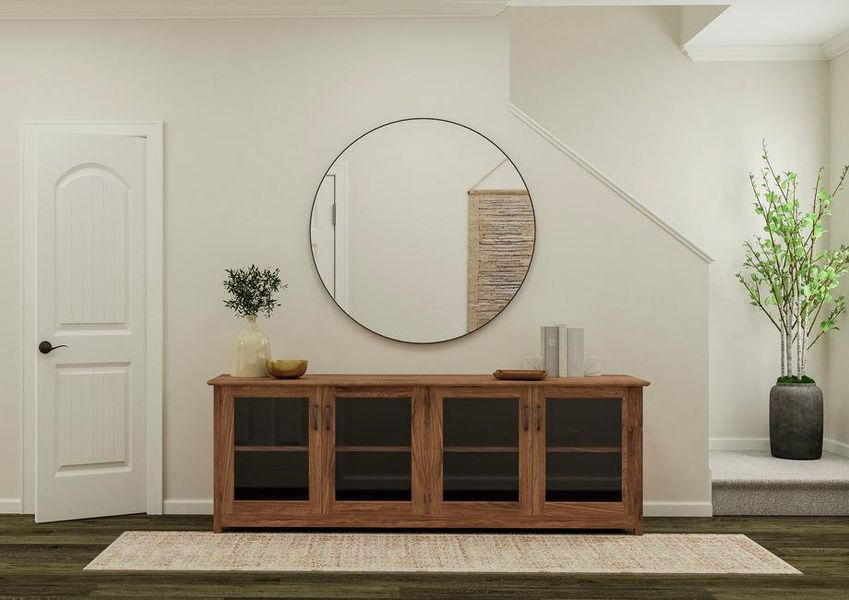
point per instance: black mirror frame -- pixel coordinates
(315, 198)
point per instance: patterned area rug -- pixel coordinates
(438, 553)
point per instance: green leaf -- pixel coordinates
(794, 379)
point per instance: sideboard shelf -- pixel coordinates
(272, 448)
(428, 451)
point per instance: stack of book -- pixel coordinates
(562, 350)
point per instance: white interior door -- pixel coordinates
(328, 234)
(90, 399)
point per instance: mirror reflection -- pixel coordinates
(422, 230)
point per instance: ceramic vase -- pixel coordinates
(250, 351)
(795, 421)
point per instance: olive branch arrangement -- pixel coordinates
(252, 291)
(787, 274)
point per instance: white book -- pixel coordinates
(562, 349)
(549, 339)
(575, 345)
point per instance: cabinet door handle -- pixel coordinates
(539, 416)
(327, 417)
(314, 417)
(525, 416)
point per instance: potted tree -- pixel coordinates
(792, 279)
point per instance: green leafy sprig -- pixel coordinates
(252, 291)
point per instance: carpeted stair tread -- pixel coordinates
(731, 468)
(755, 483)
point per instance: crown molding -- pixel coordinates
(243, 9)
(836, 45)
(591, 3)
(754, 53)
(695, 19)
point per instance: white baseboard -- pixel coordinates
(606, 181)
(739, 444)
(835, 447)
(203, 506)
(200, 506)
(11, 506)
(677, 509)
(762, 444)
(193, 506)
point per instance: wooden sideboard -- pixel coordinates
(443, 451)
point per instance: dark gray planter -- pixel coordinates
(795, 421)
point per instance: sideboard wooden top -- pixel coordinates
(405, 380)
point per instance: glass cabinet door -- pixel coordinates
(271, 448)
(583, 449)
(480, 449)
(373, 449)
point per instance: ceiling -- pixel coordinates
(776, 22)
(792, 29)
(714, 29)
(749, 29)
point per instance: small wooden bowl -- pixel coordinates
(286, 369)
(520, 374)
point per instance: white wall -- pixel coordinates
(837, 391)
(680, 137)
(254, 111)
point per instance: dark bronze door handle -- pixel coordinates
(46, 347)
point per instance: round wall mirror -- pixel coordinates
(422, 230)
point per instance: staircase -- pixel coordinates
(755, 483)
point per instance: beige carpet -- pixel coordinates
(438, 553)
(756, 483)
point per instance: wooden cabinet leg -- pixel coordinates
(638, 527)
(216, 524)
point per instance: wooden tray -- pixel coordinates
(520, 374)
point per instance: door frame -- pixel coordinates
(339, 172)
(152, 131)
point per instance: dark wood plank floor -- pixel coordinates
(46, 561)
